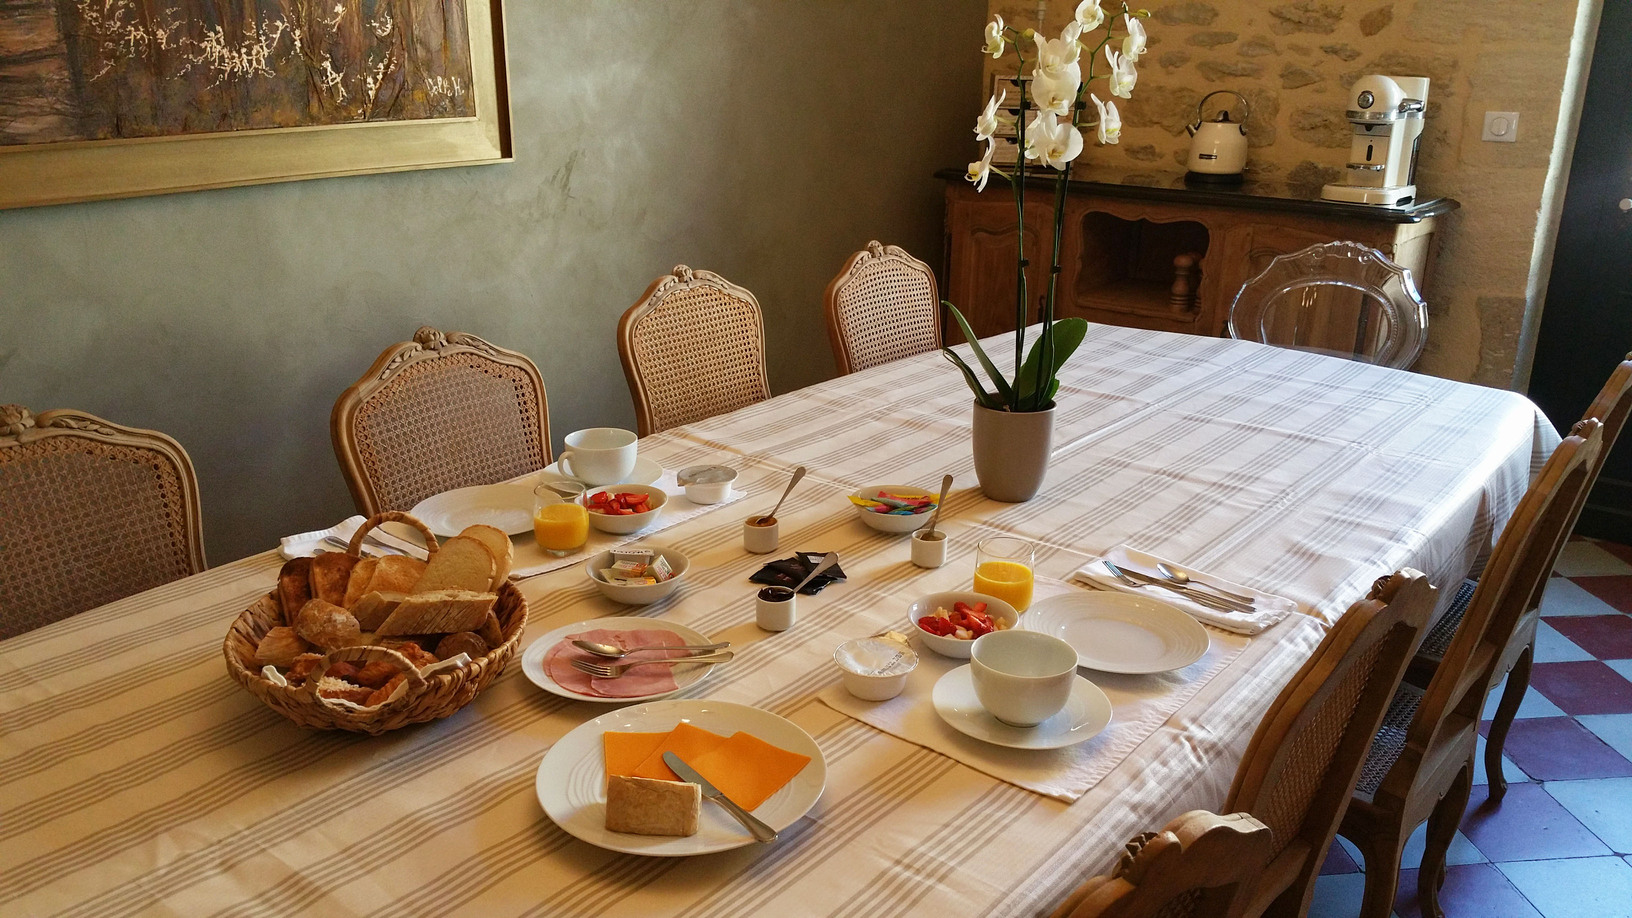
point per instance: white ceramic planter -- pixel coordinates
(1011, 451)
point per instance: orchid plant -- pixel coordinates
(1050, 138)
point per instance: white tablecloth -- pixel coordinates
(138, 778)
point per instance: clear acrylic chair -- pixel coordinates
(1339, 298)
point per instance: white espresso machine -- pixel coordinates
(1386, 113)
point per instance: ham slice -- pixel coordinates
(637, 682)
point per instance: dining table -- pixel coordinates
(137, 778)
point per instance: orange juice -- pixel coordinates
(1009, 581)
(561, 529)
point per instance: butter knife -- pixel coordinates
(760, 830)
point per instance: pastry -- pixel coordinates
(644, 806)
(279, 647)
(499, 545)
(462, 563)
(438, 612)
(330, 574)
(327, 625)
(491, 631)
(303, 667)
(345, 691)
(383, 694)
(466, 642)
(376, 673)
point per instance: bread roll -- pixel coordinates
(438, 612)
(361, 574)
(330, 574)
(467, 642)
(336, 688)
(280, 647)
(644, 806)
(499, 545)
(294, 587)
(463, 563)
(327, 625)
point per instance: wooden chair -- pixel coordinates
(882, 306)
(1611, 407)
(92, 512)
(692, 346)
(1420, 766)
(1339, 298)
(439, 412)
(1303, 762)
(1198, 866)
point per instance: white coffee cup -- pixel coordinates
(599, 455)
(1022, 677)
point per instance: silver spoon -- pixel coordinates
(1182, 579)
(828, 560)
(1200, 599)
(798, 473)
(946, 485)
(613, 651)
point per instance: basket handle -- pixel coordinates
(355, 549)
(416, 680)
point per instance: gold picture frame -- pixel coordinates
(33, 175)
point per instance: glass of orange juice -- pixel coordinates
(1003, 569)
(560, 526)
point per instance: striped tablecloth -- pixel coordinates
(137, 777)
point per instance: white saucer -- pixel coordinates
(1120, 632)
(507, 507)
(646, 472)
(1086, 713)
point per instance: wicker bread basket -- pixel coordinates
(425, 698)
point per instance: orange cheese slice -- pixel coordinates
(625, 751)
(747, 769)
(688, 742)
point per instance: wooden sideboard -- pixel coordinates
(1146, 251)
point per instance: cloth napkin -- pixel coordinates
(1139, 706)
(1271, 609)
(306, 544)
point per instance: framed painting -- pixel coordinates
(118, 98)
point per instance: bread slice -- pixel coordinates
(395, 574)
(330, 575)
(438, 612)
(279, 647)
(373, 608)
(499, 544)
(361, 574)
(294, 587)
(644, 806)
(463, 563)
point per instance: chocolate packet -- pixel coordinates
(787, 572)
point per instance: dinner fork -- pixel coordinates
(614, 670)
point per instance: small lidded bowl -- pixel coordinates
(707, 484)
(875, 668)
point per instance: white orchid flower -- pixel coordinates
(981, 169)
(1071, 33)
(1057, 94)
(1110, 121)
(988, 122)
(1054, 55)
(1052, 142)
(1122, 75)
(1089, 15)
(1134, 44)
(995, 42)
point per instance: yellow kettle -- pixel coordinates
(1218, 148)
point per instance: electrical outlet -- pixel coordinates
(1501, 127)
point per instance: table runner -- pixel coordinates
(137, 778)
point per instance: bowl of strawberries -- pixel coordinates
(948, 623)
(625, 508)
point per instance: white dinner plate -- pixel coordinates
(507, 507)
(646, 472)
(571, 780)
(1086, 713)
(1119, 632)
(685, 675)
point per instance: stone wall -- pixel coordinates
(1295, 60)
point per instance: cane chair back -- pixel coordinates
(1420, 764)
(882, 306)
(1305, 757)
(1197, 866)
(692, 346)
(442, 411)
(92, 512)
(1339, 298)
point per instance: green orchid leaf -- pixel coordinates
(1067, 337)
(981, 395)
(1004, 390)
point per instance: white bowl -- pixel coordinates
(951, 646)
(632, 522)
(637, 594)
(891, 522)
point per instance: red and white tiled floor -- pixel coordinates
(1560, 843)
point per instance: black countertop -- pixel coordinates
(1252, 194)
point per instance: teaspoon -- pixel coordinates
(614, 652)
(946, 485)
(828, 560)
(1182, 579)
(798, 473)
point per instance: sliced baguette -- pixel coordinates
(499, 545)
(330, 575)
(373, 608)
(438, 612)
(463, 563)
(361, 574)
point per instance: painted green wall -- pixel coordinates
(764, 140)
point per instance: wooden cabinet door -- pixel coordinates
(982, 264)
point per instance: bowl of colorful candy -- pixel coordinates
(893, 508)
